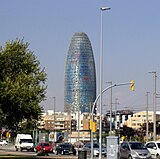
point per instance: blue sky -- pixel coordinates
(131, 42)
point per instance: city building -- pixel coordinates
(119, 118)
(57, 121)
(139, 118)
(68, 123)
(80, 75)
(63, 121)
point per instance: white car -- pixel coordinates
(154, 148)
(87, 147)
(3, 142)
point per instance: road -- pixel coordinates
(9, 150)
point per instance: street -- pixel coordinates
(9, 150)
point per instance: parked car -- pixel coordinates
(133, 150)
(87, 147)
(65, 149)
(154, 148)
(3, 142)
(47, 147)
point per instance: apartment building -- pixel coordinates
(118, 118)
(57, 121)
(65, 122)
(140, 118)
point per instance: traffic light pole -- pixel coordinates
(93, 108)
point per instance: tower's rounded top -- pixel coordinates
(80, 34)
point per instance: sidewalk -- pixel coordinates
(59, 157)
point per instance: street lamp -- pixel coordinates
(110, 129)
(101, 81)
(54, 109)
(147, 117)
(154, 94)
(116, 103)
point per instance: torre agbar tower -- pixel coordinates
(80, 75)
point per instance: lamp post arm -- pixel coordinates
(93, 107)
(111, 86)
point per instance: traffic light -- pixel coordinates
(7, 135)
(94, 126)
(132, 85)
(91, 124)
(73, 125)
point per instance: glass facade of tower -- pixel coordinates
(80, 75)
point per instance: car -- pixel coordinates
(133, 150)
(65, 149)
(154, 148)
(45, 145)
(87, 147)
(3, 142)
(24, 142)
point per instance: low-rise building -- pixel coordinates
(119, 118)
(57, 121)
(140, 118)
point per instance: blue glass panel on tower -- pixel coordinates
(80, 75)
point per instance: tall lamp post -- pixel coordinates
(101, 80)
(110, 127)
(147, 117)
(116, 103)
(154, 94)
(54, 110)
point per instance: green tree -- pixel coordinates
(127, 132)
(22, 84)
(150, 127)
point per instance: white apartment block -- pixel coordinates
(140, 118)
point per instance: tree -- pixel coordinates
(127, 132)
(150, 128)
(22, 84)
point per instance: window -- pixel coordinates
(137, 145)
(158, 144)
(150, 145)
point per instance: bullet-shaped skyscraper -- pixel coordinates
(80, 75)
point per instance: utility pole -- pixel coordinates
(110, 127)
(116, 103)
(36, 135)
(54, 111)
(147, 117)
(154, 99)
(111, 110)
